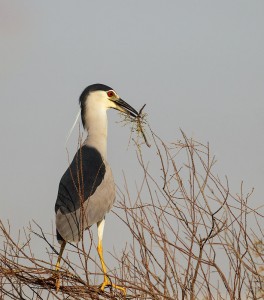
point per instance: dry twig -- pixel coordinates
(188, 237)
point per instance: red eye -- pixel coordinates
(110, 94)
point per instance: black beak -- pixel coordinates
(126, 108)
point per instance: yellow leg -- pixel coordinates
(57, 267)
(106, 282)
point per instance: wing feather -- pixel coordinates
(86, 193)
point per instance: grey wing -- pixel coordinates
(71, 225)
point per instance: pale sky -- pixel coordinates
(198, 65)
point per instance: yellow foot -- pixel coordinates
(108, 283)
(56, 279)
(57, 283)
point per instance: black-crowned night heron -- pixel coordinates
(87, 189)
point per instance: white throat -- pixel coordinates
(96, 125)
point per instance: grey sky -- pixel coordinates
(198, 65)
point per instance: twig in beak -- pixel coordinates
(140, 129)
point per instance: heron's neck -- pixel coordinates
(96, 125)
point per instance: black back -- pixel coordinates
(80, 180)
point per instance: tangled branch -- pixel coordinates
(188, 237)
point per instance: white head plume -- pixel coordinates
(75, 122)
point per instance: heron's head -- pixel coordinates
(99, 97)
